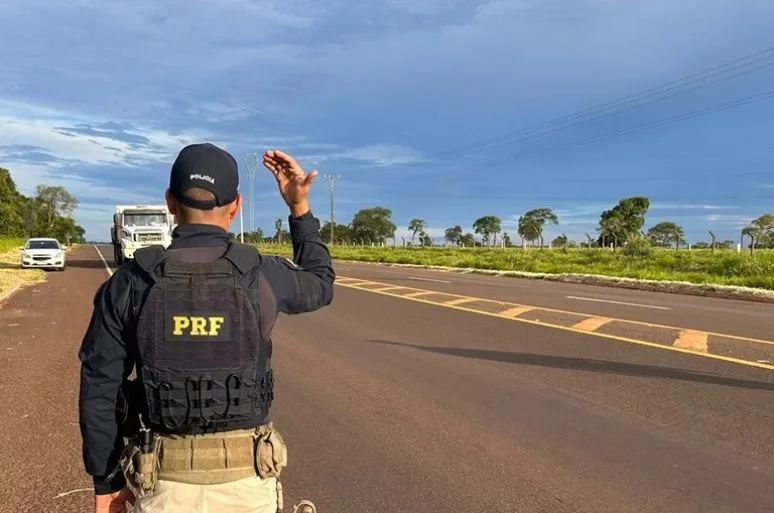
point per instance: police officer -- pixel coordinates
(192, 432)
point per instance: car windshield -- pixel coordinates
(42, 244)
(144, 219)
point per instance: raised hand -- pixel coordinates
(293, 183)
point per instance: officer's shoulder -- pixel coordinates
(125, 275)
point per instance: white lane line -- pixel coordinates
(641, 305)
(427, 279)
(107, 267)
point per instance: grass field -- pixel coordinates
(11, 273)
(723, 267)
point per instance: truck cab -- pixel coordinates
(139, 226)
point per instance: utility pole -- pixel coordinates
(331, 179)
(251, 163)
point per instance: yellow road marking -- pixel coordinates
(355, 281)
(692, 339)
(417, 294)
(568, 312)
(460, 301)
(592, 323)
(509, 315)
(516, 311)
(391, 287)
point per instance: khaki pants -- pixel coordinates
(250, 495)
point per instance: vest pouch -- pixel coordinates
(271, 453)
(183, 399)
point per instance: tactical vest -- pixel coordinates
(202, 361)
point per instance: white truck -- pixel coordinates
(138, 226)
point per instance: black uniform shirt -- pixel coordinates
(108, 351)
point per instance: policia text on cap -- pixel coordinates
(196, 321)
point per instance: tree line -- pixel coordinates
(47, 214)
(621, 225)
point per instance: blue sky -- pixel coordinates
(396, 96)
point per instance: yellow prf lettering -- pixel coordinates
(197, 326)
(181, 323)
(215, 324)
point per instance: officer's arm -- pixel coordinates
(307, 285)
(104, 364)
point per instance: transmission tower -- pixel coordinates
(251, 164)
(331, 179)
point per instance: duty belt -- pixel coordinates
(205, 459)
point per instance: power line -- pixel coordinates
(647, 126)
(331, 179)
(766, 54)
(508, 138)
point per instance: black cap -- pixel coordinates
(208, 167)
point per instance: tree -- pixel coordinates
(66, 231)
(453, 235)
(468, 240)
(623, 220)
(760, 229)
(342, 232)
(415, 226)
(507, 240)
(531, 224)
(560, 241)
(11, 205)
(373, 225)
(667, 233)
(486, 226)
(53, 201)
(425, 239)
(527, 229)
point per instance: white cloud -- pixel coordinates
(44, 128)
(689, 206)
(383, 155)
(734, 221)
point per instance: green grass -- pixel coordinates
(7, 245)
(12, 275)
(723, 267)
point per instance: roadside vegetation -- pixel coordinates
(48, 214)
(621, 247)
(12, 275)
(721, 267)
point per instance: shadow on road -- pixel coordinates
(588, 365)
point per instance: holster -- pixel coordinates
(127, 412)
(141, 469)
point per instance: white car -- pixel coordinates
(43, 252)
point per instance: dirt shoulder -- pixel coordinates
(13, 278)
(41, 327)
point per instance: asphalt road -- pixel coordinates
(733, 316)
(389, 405)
